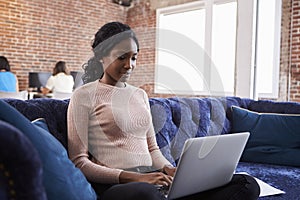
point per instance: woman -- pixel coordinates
(8, 80)
(110, 133)
(60, 81)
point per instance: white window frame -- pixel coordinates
(276, 54)
(245, 47)
(243, 58)
(159, 87)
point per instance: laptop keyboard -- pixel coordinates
(163, 189)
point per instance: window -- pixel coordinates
(223, 45)
(180, 50)
(195, 46)
(208, 48)
(268, 48)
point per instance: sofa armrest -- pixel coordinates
(20, 166)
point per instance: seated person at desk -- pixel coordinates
(60, 81)
(8, 80)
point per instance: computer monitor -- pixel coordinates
(77, 75)
(38, 79)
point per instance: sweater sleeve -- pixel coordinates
(78, 121)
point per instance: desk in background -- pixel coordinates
(35, 95)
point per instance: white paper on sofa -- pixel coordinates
(265, 189)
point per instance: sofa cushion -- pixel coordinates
(285, 178)
(25, 182)
(53, 110)
(41, 122)
(178, 119)
(62, 180)
(274, 138)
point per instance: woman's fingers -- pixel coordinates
(163, 179)
(156, 178)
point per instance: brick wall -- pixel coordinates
(36, 34)
(143, 19)
(285, 51)
(295, 52)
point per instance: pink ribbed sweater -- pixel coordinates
(110, 129)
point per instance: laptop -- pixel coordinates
(206, 163)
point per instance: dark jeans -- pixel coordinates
(240, 187)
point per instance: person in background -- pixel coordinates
(8, 80)
(111, 138)
(60, 81)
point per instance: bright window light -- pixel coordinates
(223, 45)
(268, 40)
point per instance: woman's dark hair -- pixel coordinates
(4, 64)
(105, 39)
(60, 66)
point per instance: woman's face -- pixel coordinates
(119, 64)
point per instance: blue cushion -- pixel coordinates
(62, 180)
(15, 151)
(41, 122)
(274, 138)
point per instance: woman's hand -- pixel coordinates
(156, 178)
(169, 170)
(44, 90)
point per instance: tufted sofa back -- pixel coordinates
(53, 110)
(174, 119)
(177, 119)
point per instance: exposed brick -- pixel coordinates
(36, 34)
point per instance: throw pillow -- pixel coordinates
(62, 180)
(21, 174)
(41, 122)
(274, 138)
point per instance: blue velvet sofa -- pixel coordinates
(174, 120)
